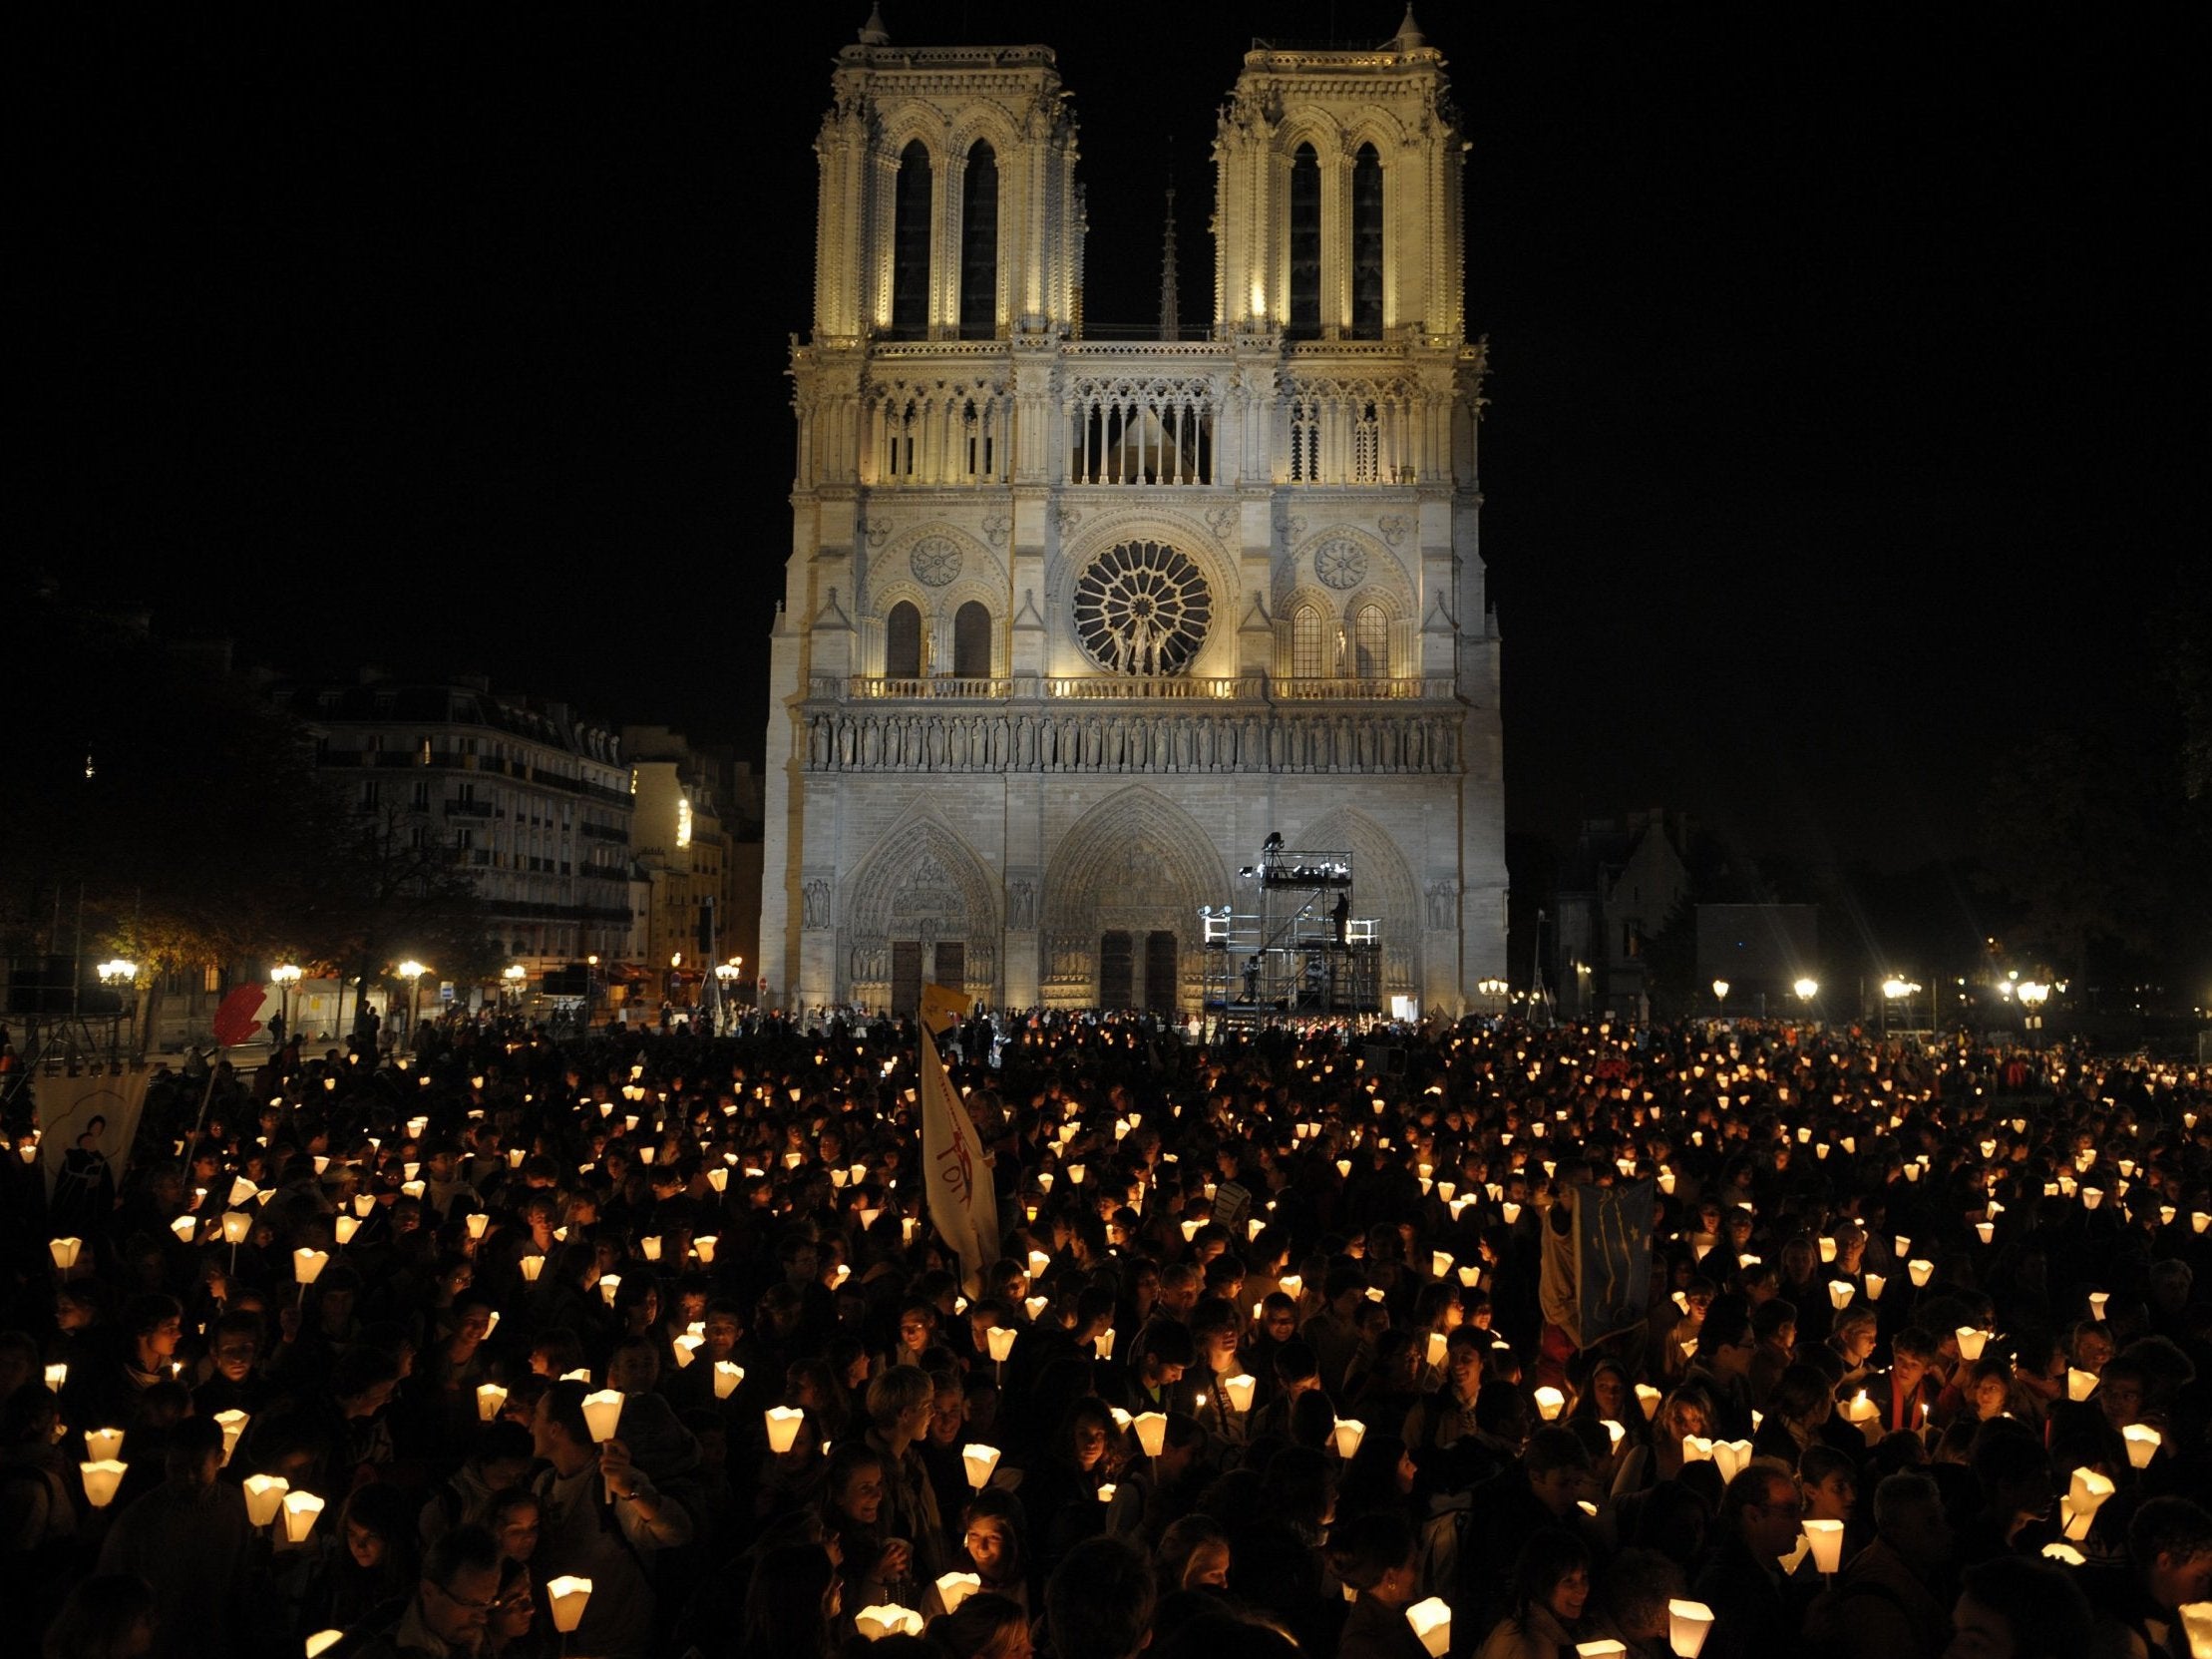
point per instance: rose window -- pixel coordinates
(1142, 609)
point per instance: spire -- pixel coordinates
(873, 32)
(1409, 34)
(1170, 310)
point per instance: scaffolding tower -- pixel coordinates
(1291, 942)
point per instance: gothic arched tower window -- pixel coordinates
(1308, 647)
(971, 641)
(979, 244)
(1366, 244)
(1306, 244)
(903, 643)
(1370, 644)
(909, 245)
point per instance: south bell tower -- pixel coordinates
(1071, 626)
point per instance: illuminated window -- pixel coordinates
(210, 977)
(1370, 644)
(1308, 658)
(683, 822)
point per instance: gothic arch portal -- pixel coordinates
(1383, 887)
(1135, 864)
(921, 884)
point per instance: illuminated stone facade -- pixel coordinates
(1069, 625)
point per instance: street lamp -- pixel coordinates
(413, 971)
(515, 974)
(2032, 995)
(1720, 995)
(1495, 989)
(114, 974)
(725, 975)
(286, 974)
(591, 973)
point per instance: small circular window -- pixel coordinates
(1142, 609)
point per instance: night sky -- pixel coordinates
(1838, 414)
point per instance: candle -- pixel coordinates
(1920, 1270)
(1152, 1431)
(264, 1496)
(956, 1587)
(1689, 1624)
(233, 1423)
(2085, 1494)
(322, 1641)
(887, 1619)
(1649, 1397)
(999, 1339)
(300, 1510)
(2196, 1621)
(1035, 1306)
(1238, 1389)
(1105, 1344)
(185, 1227)
(1827, 1544)
(782, 1426)
(1438, 1343)
(979, 1460)
(1549, 1402)
(307, 1265)
(2142, 1443)
(1874, 1284)
(1971, 1342)
(2097, 1300)
(1731, 1458)
(727, 1376)
(102, 1476)
(1432, 1624)
(2079, 1384)
(1349, 1431)
(103, 1445)
(1106, 1490)
(566, 1595)
(65, 1251)
(490, 1397)
(609, 1285)
(1840, 1292)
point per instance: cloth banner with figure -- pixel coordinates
(86, 1126)
(1597, 1259)
(963, 1205)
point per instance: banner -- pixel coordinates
(86, 1128)
(1613, 1259)
(963, 1205)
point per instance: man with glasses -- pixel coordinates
(452, 1604)
(1741, 1580)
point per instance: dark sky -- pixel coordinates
(1839, 424)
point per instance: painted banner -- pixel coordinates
(1613, 1259)
(963, 1205)
(86, 1126)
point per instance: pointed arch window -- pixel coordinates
(979, 244)
(1366, 244)
(1370, 644)
(903, 643)
(1306, 244)
(971, 641)
(909, 245)
(1308, 644)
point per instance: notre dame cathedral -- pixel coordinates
(1071, 627)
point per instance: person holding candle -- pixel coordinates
(499, 1458)
(991, 1546)
(2016, 1608)
(453, 1603)
(1551, 1587)
(984, 1626)
(1913, 1384)
(190, 1538)
(1373, 1557)
(1537, 1496)
(1881, 1603)
(1741, 1578)
(2169, 1565)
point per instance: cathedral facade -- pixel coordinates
(1071, 625)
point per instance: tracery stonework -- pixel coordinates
(1172, 595)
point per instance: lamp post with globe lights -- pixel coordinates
(285, 975)
(122, 977)
(513, 977)
(2032, 995)
(1807, 987)
(1719, 998)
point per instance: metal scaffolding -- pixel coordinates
(1291, 942)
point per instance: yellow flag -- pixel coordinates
(942, 1006)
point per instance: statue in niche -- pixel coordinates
(816, 895)
(1021, 906)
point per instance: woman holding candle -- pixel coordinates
(990, 1542)
(1551, 1586)
(1684, 1412)
(1374, 1557)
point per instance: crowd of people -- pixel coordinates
(646, 1344)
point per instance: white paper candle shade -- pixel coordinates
(979, 1460)
(240, 1190)
(650, 1245)
(1432, 1623)
(567, 1596)
(102, 1476)
(1440, 1263)
(264, 1496)
(1549, 1402)
(186, 1228)
(603, 1410)
(2079, 1384)
(1689, 1624)
(887, 1619)
(1291, 1285)
(1840, 1292)
(531, 1266)
(1349, 1431)
(1035, 1306)
(364, 1206)
(1732, 1457)
(1827, 1543)
(1921, 1271)
(1615, 1433)
(1827, 1251)
(1000, 1340)
(307, 1265)
(956, 1587)
(344, 1227)
(1106, 1490)
(2142, 1443)
(1152, 1431)
(1238, 1389)
(233, 1423)
(103, 1445)
(1696, 1449)
(1471, 1277)
(2196, 1621)
(300, 1510)
(322, 1641)
(782, 1426)
(1605, 1647)
(1986, 1231)
(490, 1396)
(1649, 1397)
(2085, 1494)
(1875, 1285)
(1438, 1345)
(65, 1252)
(1971, 1343)
(1105, 1345)
(56, 1376)
(727, 1375)
(2064, 1554)
(2097, 1300)
(610, 1284)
